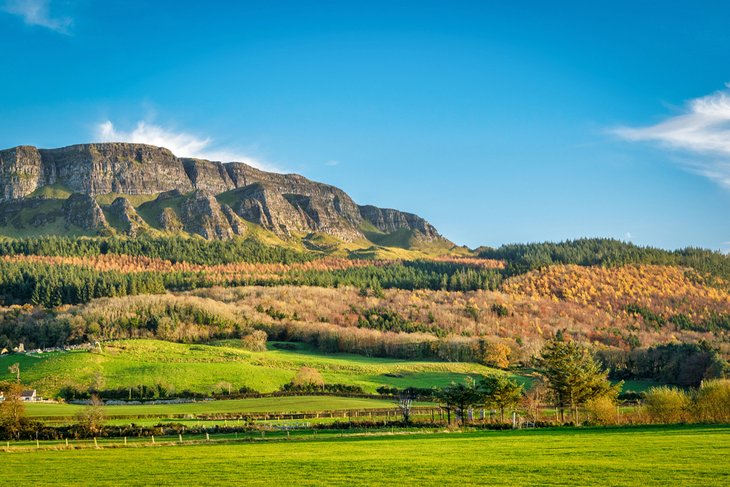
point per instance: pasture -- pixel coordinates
(203, 368)
(287, 404)
(678, 455)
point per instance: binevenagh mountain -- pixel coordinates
(132, 189)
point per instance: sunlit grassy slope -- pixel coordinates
(200, 368)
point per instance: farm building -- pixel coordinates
(29, 395)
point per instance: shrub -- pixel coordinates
(308, 377)
(666, 405)
(602, 410)
(255, 341)
(712, 401)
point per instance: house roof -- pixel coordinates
(30, 393)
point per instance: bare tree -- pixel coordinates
(405, 403)
(15, 369)
(91, 418)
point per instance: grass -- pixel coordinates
(632, 456)
(20, 226)
(200, 368)
(134, 199)
(639, 385)
(298, 404)
(52, 191)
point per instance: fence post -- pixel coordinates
(125, 441)
(96, 445)
(179, 435)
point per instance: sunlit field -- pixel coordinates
(632, 456)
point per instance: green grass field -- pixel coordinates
(630, 456)
(200, 368)
(296, 404)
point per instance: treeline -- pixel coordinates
(678, 364)
(54, 285)
(174, 249)
(714, 322)
(409, 275)
(521, 258)
(330, 338)
(172, 318)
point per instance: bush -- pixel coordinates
(666, 405)
(255, 341)
(712, 401)
(602, 410)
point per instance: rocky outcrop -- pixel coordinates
(325, 208)
(236, 222)
(388, 220)
(84, 212)
(284, 203)
(22, 171)
(201, 214)
(169, 221)
(131, 223)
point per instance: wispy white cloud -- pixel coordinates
(332, 163)
(182, 144)
(37, 12)
(701, 130)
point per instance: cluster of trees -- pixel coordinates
(419, 274)
(166, 317)
(571, 374)
(54, 285)
(330, 338)
(173, 248)
(658, 294)
(521, 258)
(385, 319)
(678, 364)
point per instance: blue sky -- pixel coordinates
(497, 121)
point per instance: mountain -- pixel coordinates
(122, 188)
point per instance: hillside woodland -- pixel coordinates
(64, 291)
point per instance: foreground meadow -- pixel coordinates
(631, 456)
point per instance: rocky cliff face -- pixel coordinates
(208, 176)
(22, 171)
(202, 214)
(117, 168)
(283, 203)
(388, 220)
